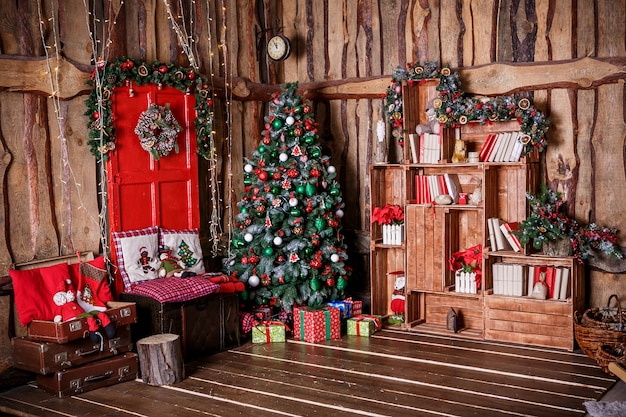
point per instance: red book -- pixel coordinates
(442, 185)
(507, 228)
(550, 271)
(483, 155)
(418, 190)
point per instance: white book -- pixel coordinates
(413, 142)
(497, 278)
(558, 273)
(506, 155)
(492, 236)
(509, 279)
(531, 279)
(500, 239)
(496, 147)
(519, 148)
(433, 186)
(564, 291)
(517, 280)
(509, 238)
(452, 188)
(505, 143)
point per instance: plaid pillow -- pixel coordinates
(173, 289)
(137, 254)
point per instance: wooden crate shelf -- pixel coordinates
(434, 232)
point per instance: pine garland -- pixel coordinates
(454, 108)
(125, 70)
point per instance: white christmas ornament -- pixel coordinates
(293, 201)
(248, 168)
(253, 281)
(278, 241)
(290, 120)
(248, 237)
(339, 213)
(331, 169)
(334, 257)
(283, 157)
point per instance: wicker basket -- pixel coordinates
(590, 338)
(606, 318)
(610, 353)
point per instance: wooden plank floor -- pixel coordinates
(393, 373)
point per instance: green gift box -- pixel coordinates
(363, 325)
(268, 332)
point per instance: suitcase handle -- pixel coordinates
(93, 378)
(81, 352)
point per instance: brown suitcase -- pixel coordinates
(45, 357)
(121, 313)
(90, 376)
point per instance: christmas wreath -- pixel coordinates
(455, 109)
(157, 129)
(124, 71)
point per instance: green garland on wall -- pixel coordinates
(125, 70)
(454, 108)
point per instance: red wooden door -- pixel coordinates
(142, 191)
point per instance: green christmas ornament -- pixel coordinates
(342, 284)
(269, 251)
(316, 152)
(310, 190)
(295, 212)
(334, 192)
(261, 149)
(275, 190)
(328, 205)
(300, 189)
(308, 250)
(315, 284)
(320, 224)
(244, 295)
(277, 124)
(244, 209)
(309, 140)
(238, 243)
(274, 154)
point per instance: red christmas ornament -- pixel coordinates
(210, 102)
(297, 131)
(276, 175)
(253, 259)
(266, 140)
(191, 75)
(262, 176)
(314, 172)
(162, 69)
(315, 263)
(292, 173)
(281, 280)
(330, 282)
(96, 115)
(306, 109)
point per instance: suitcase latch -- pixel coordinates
(76, 384)
(61, 358)
(123, 371)
(114, 344)
(125, 312)
(76, 326)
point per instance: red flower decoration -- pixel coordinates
(388, 214)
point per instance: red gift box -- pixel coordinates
(316, 325)
(357, 306)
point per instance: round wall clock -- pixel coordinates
(278, 47)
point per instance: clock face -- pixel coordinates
(278, 48)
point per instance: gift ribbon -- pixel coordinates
(326, 320)
(267, 324)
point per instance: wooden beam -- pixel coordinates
(29, 74)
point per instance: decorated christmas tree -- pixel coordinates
(287, 246)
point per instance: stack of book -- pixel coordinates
(519, 280)
(510, 279)
(502, 147)
(425, 148)
(428, 187)
(501, 236)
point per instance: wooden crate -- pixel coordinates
(430, 311)
(383, 261)
(531, 321)
(415, 97)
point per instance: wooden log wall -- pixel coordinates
(568, 54)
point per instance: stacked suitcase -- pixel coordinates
(66, 359)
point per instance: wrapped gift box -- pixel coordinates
(343, 306)
(268, 332)
(316, 325)
(357, 306)
(363, 325)
(263, 313)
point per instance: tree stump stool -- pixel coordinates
(161, 359)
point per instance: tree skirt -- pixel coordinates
(605, 408)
